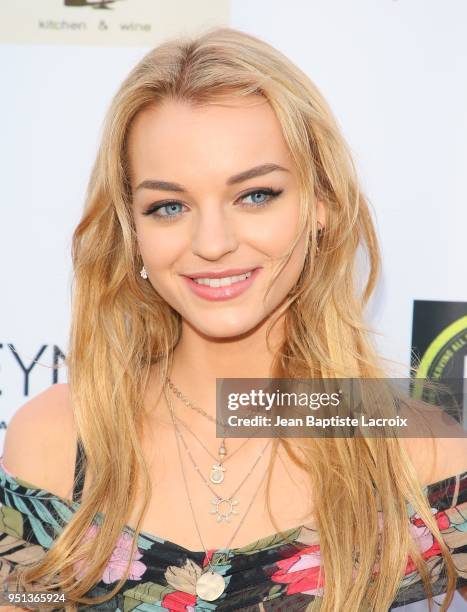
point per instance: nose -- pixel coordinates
(214, 233)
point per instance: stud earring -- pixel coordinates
(143, 273)
(318, 239)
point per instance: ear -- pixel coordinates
(321, 209)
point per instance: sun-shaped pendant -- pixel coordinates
(224, 508)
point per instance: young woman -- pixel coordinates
(221, 160)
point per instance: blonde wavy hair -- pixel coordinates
(121, 328)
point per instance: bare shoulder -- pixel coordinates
(40, 441)
(442, 455)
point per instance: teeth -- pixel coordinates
(222, 282)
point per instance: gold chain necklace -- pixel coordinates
(186, 401)
(209, 585)
(223, 507)
(218, 469)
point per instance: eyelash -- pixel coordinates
(266, 191)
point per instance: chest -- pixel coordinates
(230, 513)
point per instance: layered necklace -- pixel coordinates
(210, 585)
(218, 469)
(222, 507)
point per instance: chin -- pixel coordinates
(225, 329)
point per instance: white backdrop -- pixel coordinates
(394, 72)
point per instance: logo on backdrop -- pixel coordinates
(439, 339)
(439, 342)
(97, 4)
(142, 23)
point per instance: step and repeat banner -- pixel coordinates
(393, 71)
(106, 22)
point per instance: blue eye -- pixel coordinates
(169, 207)
(265, 196)
(268, 193)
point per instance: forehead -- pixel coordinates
(228, 135)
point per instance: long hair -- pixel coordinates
(121, 328)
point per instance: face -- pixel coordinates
(215, 192)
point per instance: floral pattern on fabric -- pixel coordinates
(277, 572)
(118, 561)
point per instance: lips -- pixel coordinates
(226, 292)
(220, 273)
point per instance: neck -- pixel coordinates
(198, 361)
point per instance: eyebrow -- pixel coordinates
(233, 180)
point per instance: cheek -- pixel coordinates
(158, 248)
(274, 233)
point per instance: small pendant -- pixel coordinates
(210, 585)
(222, 452)
(224, 508)
(217, 473)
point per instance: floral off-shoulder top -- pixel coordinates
(278, 572)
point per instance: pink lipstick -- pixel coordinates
(225, 292)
